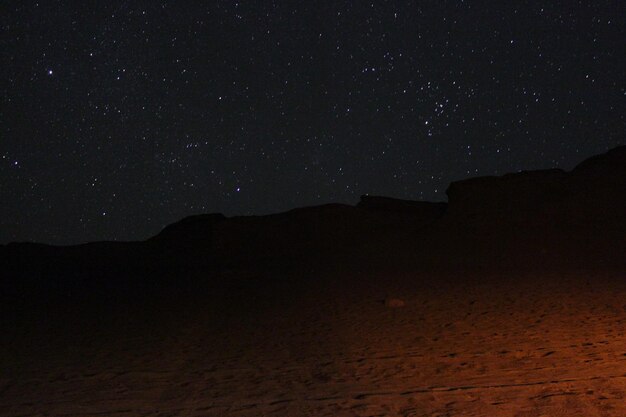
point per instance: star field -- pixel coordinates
(121, 117)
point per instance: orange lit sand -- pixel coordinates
(553, 345)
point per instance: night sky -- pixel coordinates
(118, 118)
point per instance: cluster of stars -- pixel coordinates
(120, 118)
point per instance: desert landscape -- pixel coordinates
(509, 300)
(303, 209)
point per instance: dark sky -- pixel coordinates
(119, 117)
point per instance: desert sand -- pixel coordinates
(326, 344)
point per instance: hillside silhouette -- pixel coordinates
(527, 220)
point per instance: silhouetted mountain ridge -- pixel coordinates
(532, 219)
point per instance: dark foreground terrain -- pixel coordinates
(509, 300)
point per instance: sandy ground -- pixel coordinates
(552, 345)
